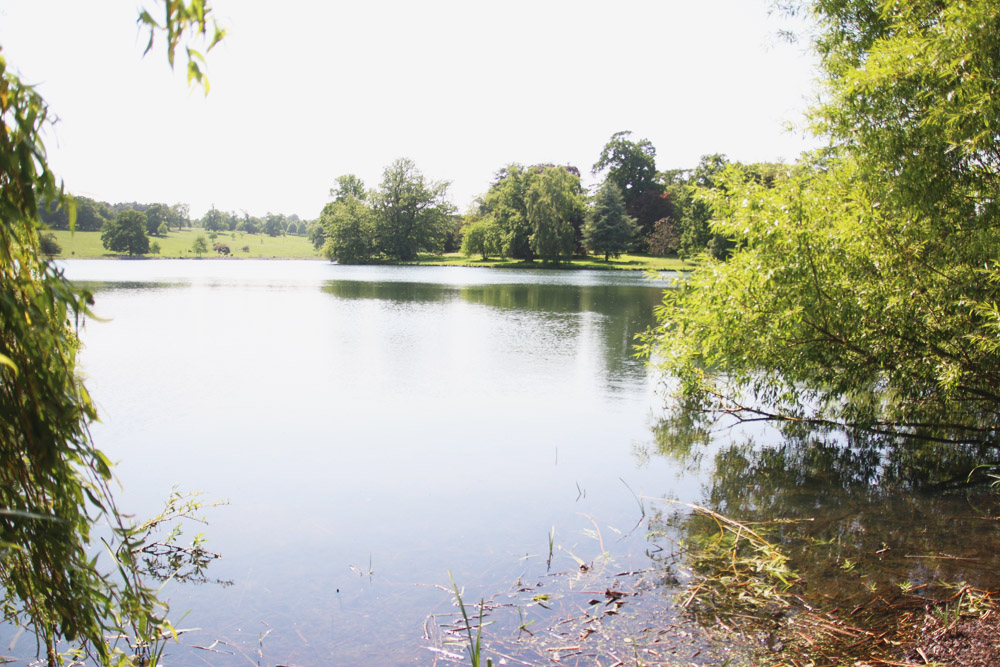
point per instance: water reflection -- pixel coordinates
(613, 314)
(421, 420)
(908, 513)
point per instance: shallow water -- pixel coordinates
(379, 430)
(373, 429)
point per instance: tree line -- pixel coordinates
(127, 227)
(534, 212)
(529, 212)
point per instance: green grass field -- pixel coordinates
(87, 245)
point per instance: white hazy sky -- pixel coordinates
(305, 91)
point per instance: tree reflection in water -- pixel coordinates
(868, 522)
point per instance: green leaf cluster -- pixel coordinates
(863, 291)
(404, 216)
(534, 212)
(126, 233)
(56, 579)
(609, 230)
(183, 20)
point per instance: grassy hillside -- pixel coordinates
(87, 245)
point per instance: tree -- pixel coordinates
(631, 165)
(506, 204)
(609, 229)
(48, 245)
(552, 199)
(410, 213)
(863, 293)
(54, 483)
(215, 220)
(274, 224)
(156, 215)
(348, 185)
(200, 245)
(162, 230)
(90, 214)
(316, 234)
(482, 237)
(250, 224)
(349, 231)
(126, 233)
(181, 216)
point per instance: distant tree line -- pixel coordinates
(126, 227)
(531, 212)
(91, 215)
(272, 224)
(536, 212)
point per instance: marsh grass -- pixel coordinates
(475, 646)
(738, 577)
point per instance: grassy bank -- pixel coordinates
(87, 245)
(625, 262)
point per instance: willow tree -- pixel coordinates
(53, 480)
(864, 290)
(553, 199)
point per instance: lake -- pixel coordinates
(374, 429)
(377, 432)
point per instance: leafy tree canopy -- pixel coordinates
(348, 185)
(53, 480)
(553, 199)
(349, 231)
(631, 165)
(609, 230)
(864, 291)
(126, 233)
(411, 214)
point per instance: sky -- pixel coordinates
(303, 92)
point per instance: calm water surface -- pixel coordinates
(372, 429)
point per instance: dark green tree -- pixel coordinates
(156, 215)
(90, 214)
(410, 213)
(126, 233)
(631, 165)
(274, 224)
(609, 229)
